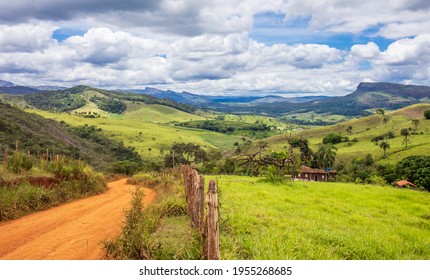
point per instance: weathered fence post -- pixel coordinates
(195, 198)
(212, 222)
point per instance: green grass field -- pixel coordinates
(309, 220)
(136, 129)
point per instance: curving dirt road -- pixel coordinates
(72, 231)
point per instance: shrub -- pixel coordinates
(125, 167)
(332, 138)
(20, 162)
(427, 114)
(273, 175)
(415, 169)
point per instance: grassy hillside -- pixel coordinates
(364, 129)
(147, 137)
(36, 134)
(309, 220)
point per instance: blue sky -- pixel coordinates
(289, 47)
(271, 28)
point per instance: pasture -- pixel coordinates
(309, 220)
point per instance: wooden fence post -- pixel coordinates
(212, 222)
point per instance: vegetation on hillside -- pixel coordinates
(109, 105)
(36, 135)
(239, 128)
(57, 100)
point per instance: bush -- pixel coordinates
(273, 175)
(136, 241)
(125, 167)
(427, 114)
(415, 169)
(332, 138)
(20, 162)
(145, 180)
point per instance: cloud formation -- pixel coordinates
(206, 47)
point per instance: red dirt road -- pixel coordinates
(73, 231)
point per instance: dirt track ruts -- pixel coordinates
(73, 231)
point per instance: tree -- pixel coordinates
(332, 138)
(381, 112)
(427, 114)
(326, 155)
(415, 169)
(415, 123)
(258, 156)
(384, 145)
(349, 129)
(406, 136)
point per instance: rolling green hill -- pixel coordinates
(36, 134)
(365, 129)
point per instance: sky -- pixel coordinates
(216, 47)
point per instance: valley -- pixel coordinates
(371, 138)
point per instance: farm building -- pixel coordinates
(404, 183)
(311, 174)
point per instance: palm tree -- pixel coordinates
(384, 146)
(406, 135)
(326, 155)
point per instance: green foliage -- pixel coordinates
(274, 175)
(72, 180)
(58, 100)
(326, 155)
(20, 162)
(184, 153)
(111, 105)
(332, 138)
(229, 127)
(125, 167)
(37, 135)
(427, 114)
(415, 169)
(135, 242)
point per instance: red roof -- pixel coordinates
(404, 183)
(305, 169)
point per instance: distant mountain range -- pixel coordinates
(209, 101)
(367, 96)
(10, 88)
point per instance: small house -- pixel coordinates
(405, 184)
(312, 174)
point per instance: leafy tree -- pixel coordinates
(326, 155)
(415, 123)
(384, 145)
(349, 129)
(406, 136)
(332, 138)
(427, 114)
(415, 169)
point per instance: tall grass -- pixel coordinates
(73, 179)
(159, 231)
(310, 220)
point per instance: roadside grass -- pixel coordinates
(45, 185)
(310, 220)
(159, 231)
